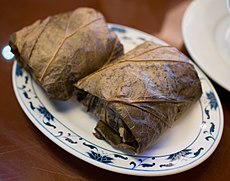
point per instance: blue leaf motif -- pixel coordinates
(23, 87)
(167, 165)
(120, 156)
(49, 124)
(140, 160)
(106, 159)
(207, 113)
(186, 152)
(26, 95)
(211, 131)
(60, 133)
(198, 152)
(99, 157)
(179, 154)
(49, 117)
(171, 157)
(118, 29)
(147, 165)
(90, 146)
(71, 141)
(212, 100)
(45, 113)
(32, 106)
(133, 164)
(26, 79)
(19, 71)
(212, 128)
(93, 155)
(143, 162)
(209, 137)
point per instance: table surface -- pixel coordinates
(26, 154)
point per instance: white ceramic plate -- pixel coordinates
(206, 33)
(189, 142)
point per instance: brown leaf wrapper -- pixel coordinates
(137, 97)
(63, 48)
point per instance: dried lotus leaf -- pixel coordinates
(139, 96)
(63, 48)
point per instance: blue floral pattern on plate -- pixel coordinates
(204, 143)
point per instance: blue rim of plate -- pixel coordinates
(192, 155)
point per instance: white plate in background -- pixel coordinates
(206, 33)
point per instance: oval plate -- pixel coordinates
(68, 125)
